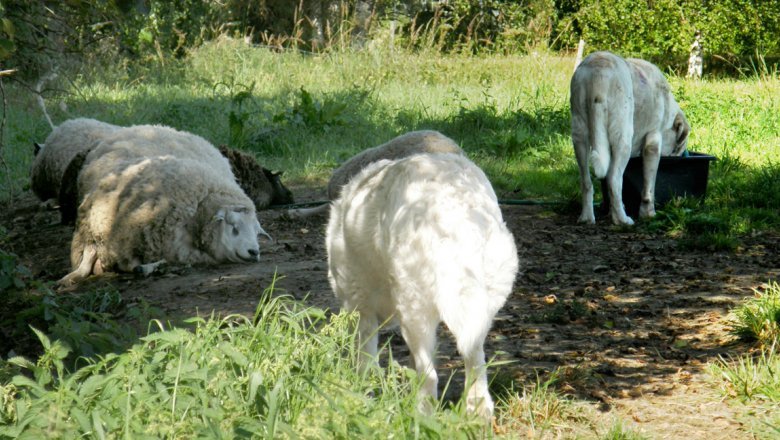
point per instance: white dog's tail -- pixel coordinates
(599, 140)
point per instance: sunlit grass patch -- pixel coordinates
(540, 410)
(753, 379)
(758, 319)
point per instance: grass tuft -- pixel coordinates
(758, 319)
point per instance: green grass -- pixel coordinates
(754, 379)
(758, 319)
(307, 113)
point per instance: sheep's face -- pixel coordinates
(234, 235)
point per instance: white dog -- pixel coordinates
(622, 108)
(418, 241)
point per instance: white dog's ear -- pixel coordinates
(682, 129)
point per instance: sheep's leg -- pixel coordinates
(620, 156)
(308, 212)
(651, 156)
(88, 259)
(586, 185)
(148, 268)
(421, 340)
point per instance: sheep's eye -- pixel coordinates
(235, 231)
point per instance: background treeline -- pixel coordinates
(736, 33)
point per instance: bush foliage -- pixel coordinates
(735, 32)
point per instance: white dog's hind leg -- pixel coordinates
(651, 155)
(367, 342)
(586, 185)
(469, 324)
(617, 166)
(420, 337)
(477, 395)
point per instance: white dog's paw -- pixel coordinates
(426, 405)
(623, 220)
(587, 218)
(646, 210)
(481, 406)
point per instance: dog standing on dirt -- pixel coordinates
(622, 108)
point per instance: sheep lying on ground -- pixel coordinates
(263, 186)
(139, 210)
(414, 142)
(622, 108)
(68, 142)
(418, 241)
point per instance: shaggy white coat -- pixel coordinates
(418, 241)
(622, 108)
(143, 203)
(407, 144)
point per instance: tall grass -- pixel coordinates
(289, 371)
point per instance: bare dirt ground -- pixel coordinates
(630, 318)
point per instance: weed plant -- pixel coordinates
(288, 372)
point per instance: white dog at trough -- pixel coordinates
(622, 108)
(417, 241)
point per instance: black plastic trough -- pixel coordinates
(678, 176)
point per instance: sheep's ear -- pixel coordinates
(220, 215)
(37, 148)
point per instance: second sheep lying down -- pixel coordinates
(407, 144)
(141, 206)
(419, 241)
(58, 161)
(262, 185)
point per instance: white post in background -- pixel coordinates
(695, 61)
(580, 50)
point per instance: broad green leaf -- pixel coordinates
(42, 337)
(97, 425)
(21, 362)
(237, 357)
(24, 381)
